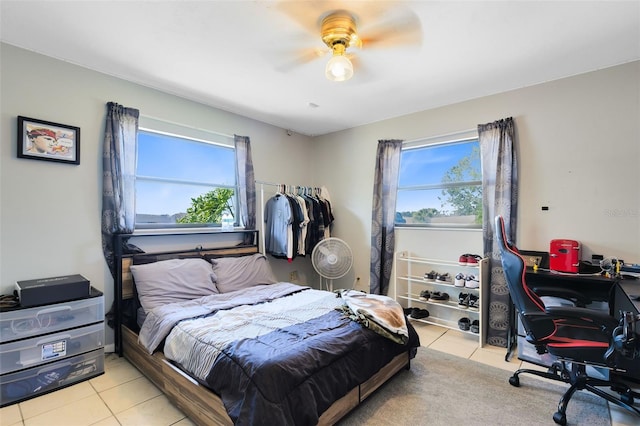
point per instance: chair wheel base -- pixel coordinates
(560, 418)
(627, 399)
(514, 381)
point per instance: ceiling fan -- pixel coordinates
(375, 25)
(338, 31)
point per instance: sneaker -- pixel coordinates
(408, 311)
(443, 278)
(424, 295)
(475, 326)
(474, 302)
(463, 300)
(463, 259)
(436, 296)
(430, 276)
(460, 280)
(471, 282)
(419, 313)
(464, 324)
(472, 259)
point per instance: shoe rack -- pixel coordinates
(415, 288)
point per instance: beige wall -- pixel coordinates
(578, 142)
(579, 154)
(50, 212)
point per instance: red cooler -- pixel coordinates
(564, 256)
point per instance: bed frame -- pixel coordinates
(198, 402)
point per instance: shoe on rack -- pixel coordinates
(463, 300)
(425, 294)
(471, 282)
(436, 296)
(419, 313)
(464, 324)
(472, 259)
(408, 311)
(463, 259)
(460, 280)
(443, 278)
(475, 326)
(430, 276)
(474, 302)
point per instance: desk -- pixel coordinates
(614, 295)
(596, 287)
(624, 300)
(623, 297)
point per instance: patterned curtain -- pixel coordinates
(499, 197)
(246, 183)
(118, 176)
(385, 187)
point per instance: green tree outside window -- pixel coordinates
(209, 207)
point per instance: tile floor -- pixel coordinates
(122, 396)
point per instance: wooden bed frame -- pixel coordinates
(198, 402)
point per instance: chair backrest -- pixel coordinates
(524, 299)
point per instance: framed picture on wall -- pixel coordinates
(44, 140)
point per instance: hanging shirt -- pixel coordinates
(278, 218)
(303, 226)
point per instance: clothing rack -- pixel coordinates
(284, 188)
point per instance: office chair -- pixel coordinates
(577, 337)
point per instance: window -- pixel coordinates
(182, 180)
(440, 184)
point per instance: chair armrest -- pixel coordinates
(564, 293)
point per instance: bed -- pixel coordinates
(248, 349)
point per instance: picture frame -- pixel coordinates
(531, 257)
(48, 141)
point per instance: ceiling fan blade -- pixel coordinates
(304, 56)
(399, 28)
(309, 14)
(304, 13)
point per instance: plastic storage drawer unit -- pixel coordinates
(25, 384)
(22, 323)
(38, 350)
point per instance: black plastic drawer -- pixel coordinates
(25, 384)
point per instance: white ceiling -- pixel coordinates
(243, 56)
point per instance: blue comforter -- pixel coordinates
(281, 361)
(291, 376)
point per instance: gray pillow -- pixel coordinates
(236, 273)
(173, 280)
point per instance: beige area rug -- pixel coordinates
(442, 389)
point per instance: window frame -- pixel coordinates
(183, 132)
(432, 142)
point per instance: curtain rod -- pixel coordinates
(187, 126)
(444, 135)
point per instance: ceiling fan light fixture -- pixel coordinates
(338, 31)
(339, 68)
